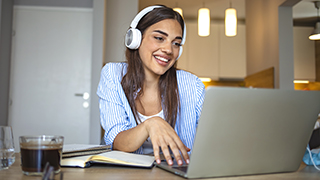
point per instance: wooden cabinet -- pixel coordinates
(215, 56)
(221, 57)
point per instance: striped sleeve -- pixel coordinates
(200, 98)
(114, 115)
(191, 91)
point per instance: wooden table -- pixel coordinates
(124, 173)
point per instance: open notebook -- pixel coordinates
(251, 131)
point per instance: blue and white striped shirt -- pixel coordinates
(116, 114)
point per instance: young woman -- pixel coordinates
(146, 104)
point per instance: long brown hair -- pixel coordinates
(132, 82)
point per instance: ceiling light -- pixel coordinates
(204, 22)
(315, 35)
(230, 22)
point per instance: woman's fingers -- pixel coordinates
(178, 149)
(176, 153)
(166, 154)
(186, 155)
(160, 142)
(163, 136)
(156, 153)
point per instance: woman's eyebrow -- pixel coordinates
(165, 34)
(161, 32)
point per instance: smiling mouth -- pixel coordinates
(161, 58)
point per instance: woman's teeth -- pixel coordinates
(161, 58)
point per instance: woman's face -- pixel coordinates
(160, 46)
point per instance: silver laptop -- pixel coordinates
(251, 131)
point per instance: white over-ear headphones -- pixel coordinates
(133, 36)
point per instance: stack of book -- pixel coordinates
(73, 150)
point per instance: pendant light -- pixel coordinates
(204, 22)
(315, 35)
(230, 22)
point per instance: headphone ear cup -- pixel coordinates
(133, 38)
(180, 52)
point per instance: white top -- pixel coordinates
(147, 145)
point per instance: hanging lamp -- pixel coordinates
(231, 21)
(315, 35)
(204, 22)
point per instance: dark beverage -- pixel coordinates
(34, 160)
(37, 151)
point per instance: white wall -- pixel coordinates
(304, 54)
(119, 17)
(262, 36)
(264, 47)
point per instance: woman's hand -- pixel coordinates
(163, 136)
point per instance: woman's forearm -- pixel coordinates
(131, 139)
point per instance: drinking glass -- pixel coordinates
(7, 156)
(37, 151)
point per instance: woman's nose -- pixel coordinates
(167, 47)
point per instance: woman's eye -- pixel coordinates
(158, 38)
(177, 44)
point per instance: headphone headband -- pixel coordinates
(143, 12)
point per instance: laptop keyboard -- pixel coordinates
(181, 168)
